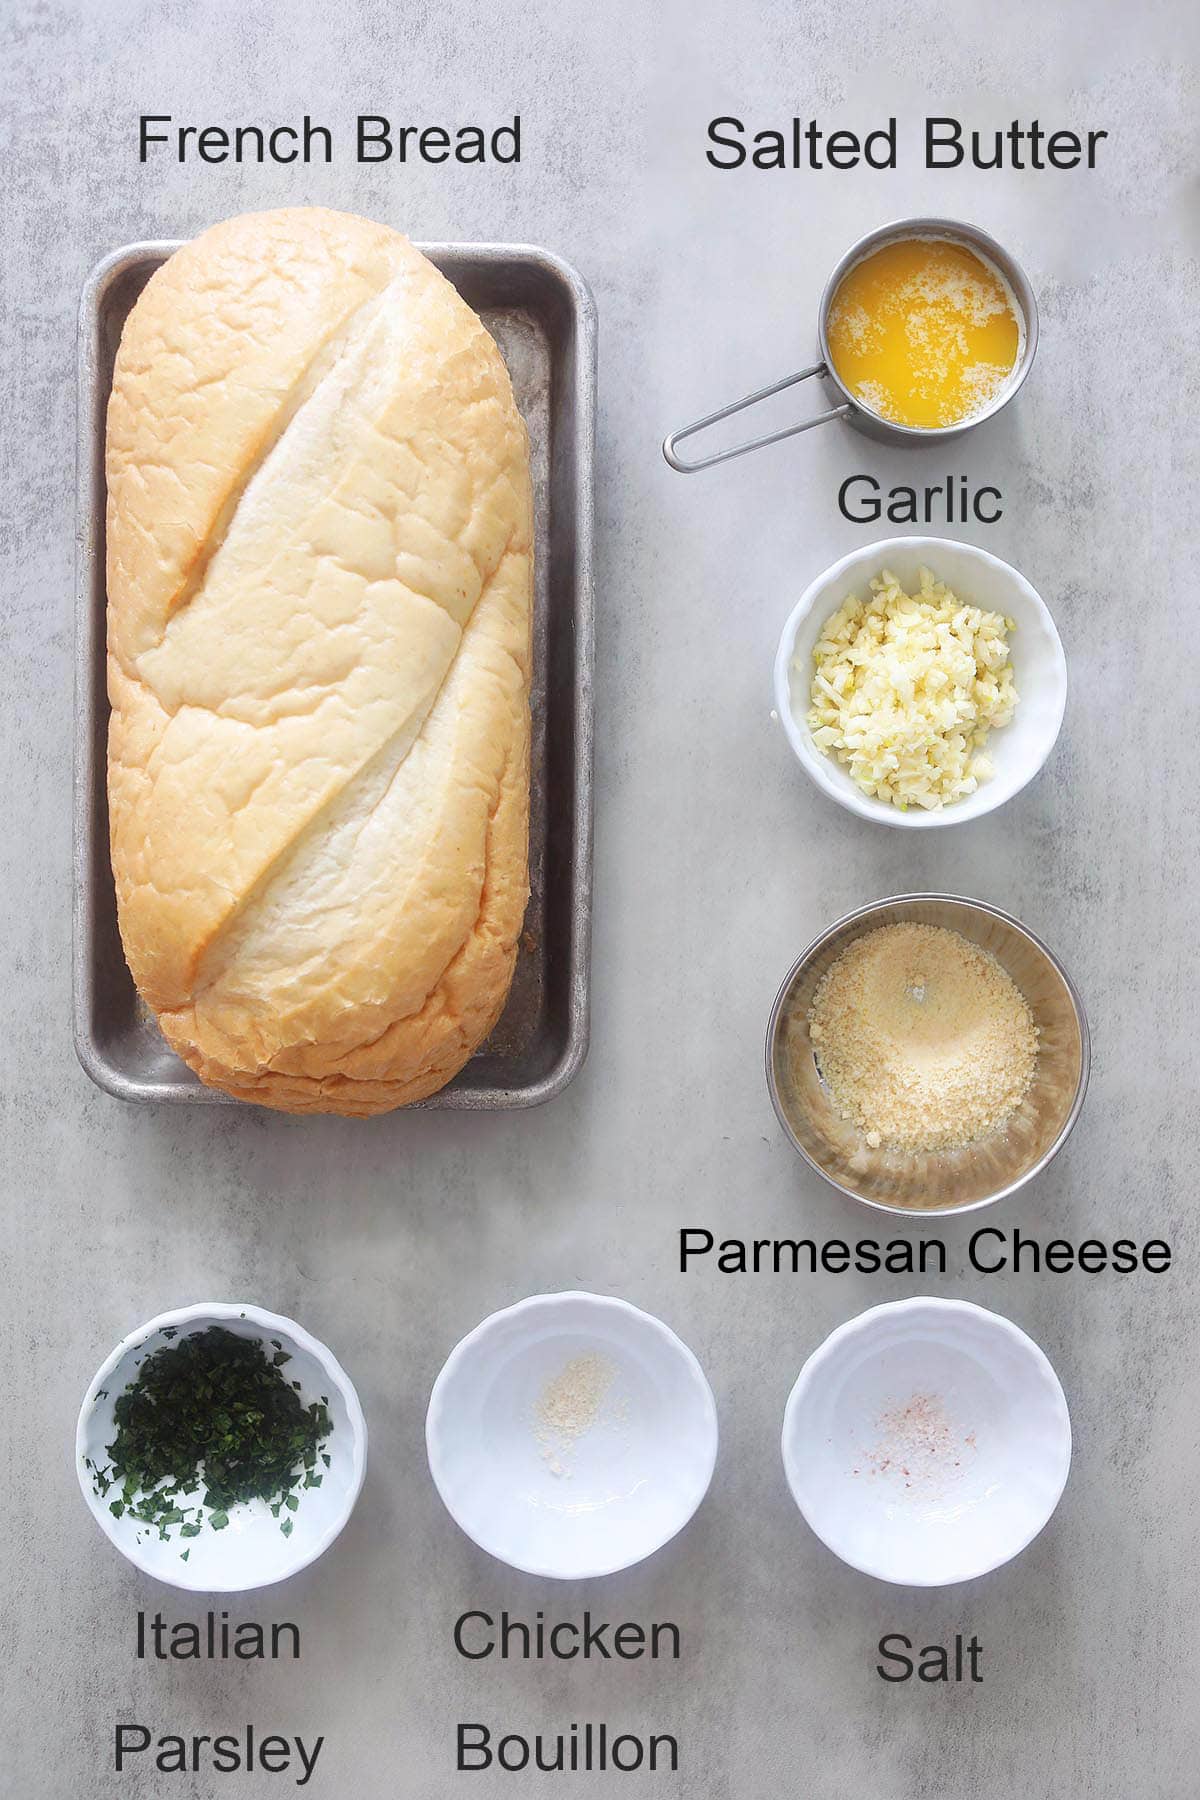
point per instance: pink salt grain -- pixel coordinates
(918, 1444)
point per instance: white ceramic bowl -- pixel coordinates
(1017, 750)
(927, 1441)
(251, 1551)
(614, 1494)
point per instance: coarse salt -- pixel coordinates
(918, 1447)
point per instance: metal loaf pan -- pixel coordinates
(542, 316)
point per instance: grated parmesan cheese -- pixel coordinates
(906, 688)
(922, 1039)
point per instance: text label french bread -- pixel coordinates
(377, 139)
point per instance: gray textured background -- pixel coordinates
(715, 862)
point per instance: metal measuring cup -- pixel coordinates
(848, 406)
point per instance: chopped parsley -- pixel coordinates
(211, 1411)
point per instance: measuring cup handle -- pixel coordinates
(726, 412)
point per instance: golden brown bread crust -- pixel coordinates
(320, 595)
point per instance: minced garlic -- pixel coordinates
(906, 688)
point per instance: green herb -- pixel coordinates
(212, 1409)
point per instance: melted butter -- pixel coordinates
(924, 332)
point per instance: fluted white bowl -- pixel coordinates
(252, 1551)
(629, 1483)
(923, 1522)
(1018, 750)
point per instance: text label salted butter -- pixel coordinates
(947, 144)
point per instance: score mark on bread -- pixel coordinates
(320, 598)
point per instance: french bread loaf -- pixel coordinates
(320, 596)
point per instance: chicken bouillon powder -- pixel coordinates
(922, 1039)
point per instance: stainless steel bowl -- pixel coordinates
(944, 1181)
(848, 406)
